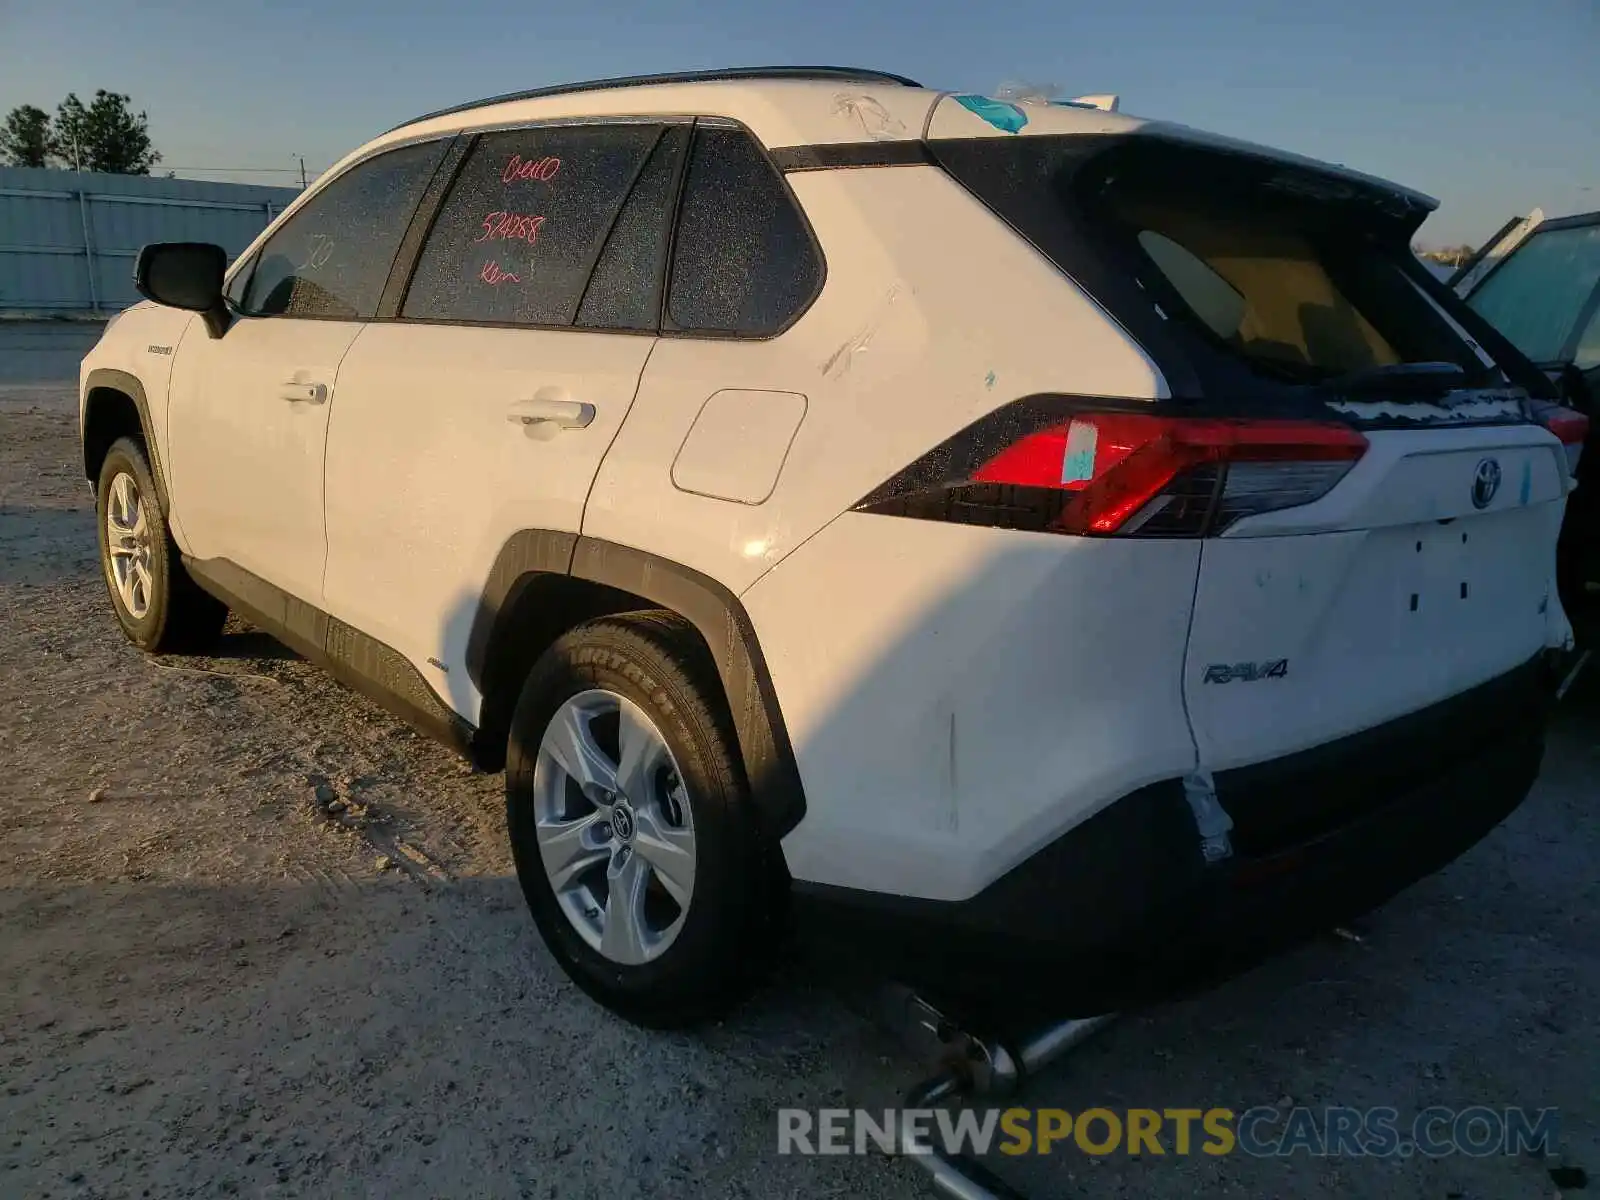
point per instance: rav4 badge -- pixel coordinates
(1275, 668)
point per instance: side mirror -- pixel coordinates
(185, 275)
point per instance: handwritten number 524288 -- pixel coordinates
(509, 226)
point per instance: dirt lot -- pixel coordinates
(215, 981)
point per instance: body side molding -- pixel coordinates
(360, 662)
(530, 561)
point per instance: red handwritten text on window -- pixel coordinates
(541, 169)
(494, 276)
(509, 226)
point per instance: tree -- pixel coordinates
(25, 136)
(69, 134)
(104, 136)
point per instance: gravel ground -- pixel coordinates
(257, 938)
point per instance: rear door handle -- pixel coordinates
(304, 393)
(562, 414)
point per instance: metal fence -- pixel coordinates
(68, 239)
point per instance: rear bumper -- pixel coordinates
(1123, 910)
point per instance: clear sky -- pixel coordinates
(1492, 107)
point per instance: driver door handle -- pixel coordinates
(563, 414)
(304, 393)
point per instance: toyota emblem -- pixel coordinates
(1485, 482)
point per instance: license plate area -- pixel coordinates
(1481, 577)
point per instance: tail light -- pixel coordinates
(1568, 424)
(1120, 473)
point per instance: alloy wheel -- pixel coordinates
(615, 826)
(130, 545)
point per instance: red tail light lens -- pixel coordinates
(1571, 426)
(1132, 474)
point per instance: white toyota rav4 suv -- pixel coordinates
(1052, 553)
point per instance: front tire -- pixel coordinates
(160, 609)
(630, 821)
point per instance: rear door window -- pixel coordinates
(744, 262)
(331, 258)
(1537, 296)
(517, 237)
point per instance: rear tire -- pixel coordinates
(160, 609)
(641, 680)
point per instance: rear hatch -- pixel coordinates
(1347, 577)
(1426, 571)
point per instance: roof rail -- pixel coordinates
(839, 74)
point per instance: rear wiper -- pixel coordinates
(1401, 379)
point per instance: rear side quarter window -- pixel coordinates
(745, 263)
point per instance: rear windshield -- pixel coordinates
(1296, 276)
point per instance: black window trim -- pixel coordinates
(243, 268)
(604, 236)
(669, 244)
(405, 269)
(664, 258)
(420, 225)
(841, 156)
(251, 257)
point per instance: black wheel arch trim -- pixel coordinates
(713, 610)
(109, 379)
